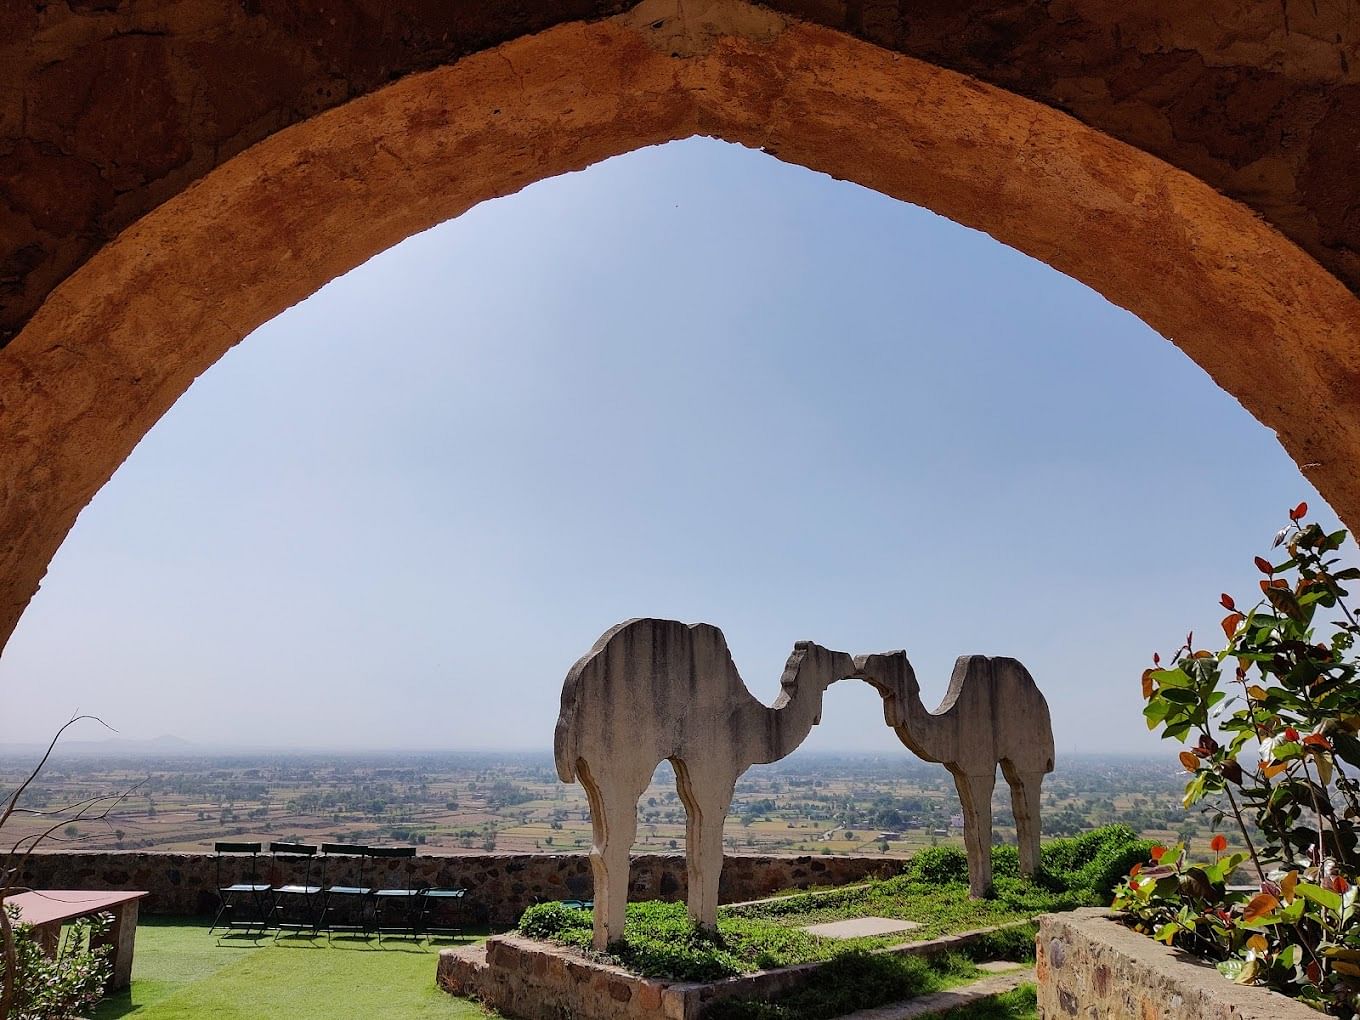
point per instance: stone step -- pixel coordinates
(938, 1002)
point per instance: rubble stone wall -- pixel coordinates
(499, 886)
(1091, 967)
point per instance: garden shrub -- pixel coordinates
(1270, 726)
(69, 985)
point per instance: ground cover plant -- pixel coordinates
(857, 979)
(659, 940)
(1271, 724)
(1019, 1004)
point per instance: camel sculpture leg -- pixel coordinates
(1025, 788)
(975, 794)
(706, 791)
(613, 818)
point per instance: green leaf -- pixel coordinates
(1171, 678)
(1322, 897)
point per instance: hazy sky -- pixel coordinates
(690, 382)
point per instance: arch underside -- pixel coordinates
(123, 337)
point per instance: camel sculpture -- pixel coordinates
(657, 690)
(992, 714)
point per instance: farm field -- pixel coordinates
(480, 802)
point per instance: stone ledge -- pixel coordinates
(535, 980)
(499, 885)
(1092, 967)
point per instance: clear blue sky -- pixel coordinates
(690, 382)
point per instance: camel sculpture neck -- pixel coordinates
(923, 732)
(787, 723)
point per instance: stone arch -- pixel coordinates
(123, 337)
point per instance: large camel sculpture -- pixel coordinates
(992, 714)
(657, 690)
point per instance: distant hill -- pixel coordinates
(110, 746)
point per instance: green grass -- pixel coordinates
(1019, 1004)
(932, 891)
(854, 980)
(932, 888)
(180, 972)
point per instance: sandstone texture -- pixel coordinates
(112, 107)
(173, 175)
(499, 886)
(1091, 967)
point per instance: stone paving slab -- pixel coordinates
(998, 966)
(861, 927)
(938, 1002)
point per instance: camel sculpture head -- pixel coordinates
(810, 670)
(890, 674)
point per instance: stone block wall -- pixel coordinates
(499, 886)
(1091, 967)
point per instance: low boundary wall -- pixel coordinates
(1090, 966)
(533, 980)
(499, 886)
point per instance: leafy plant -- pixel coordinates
(1270, 724)
(66, 985)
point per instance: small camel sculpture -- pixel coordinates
(657, 690)
(992, 714)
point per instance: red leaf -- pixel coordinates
(1227, 601)
(1298, 512)
(1156, 659)
(1261, 904)
(1157, 851)
(1219, 843)
(1263, 565)
(1291, 734)
(1317, 740)
(1147, 684)
(1230, 623)
(1189, 762)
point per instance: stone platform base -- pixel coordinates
(1092, 967)
(535, 980)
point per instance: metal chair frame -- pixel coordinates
(230, 897)
(430, 897)
(312, 896)
(407, 899)
(357, 898)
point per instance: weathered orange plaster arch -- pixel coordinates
(118, 342)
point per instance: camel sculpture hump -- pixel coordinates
(1029, 727)
(644, 683)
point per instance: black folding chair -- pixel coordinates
(442, 903)
(297, 905)
(345, 907)
(397, 909)
(245, 903)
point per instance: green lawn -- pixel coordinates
(1016, 1005)
(181, 972)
